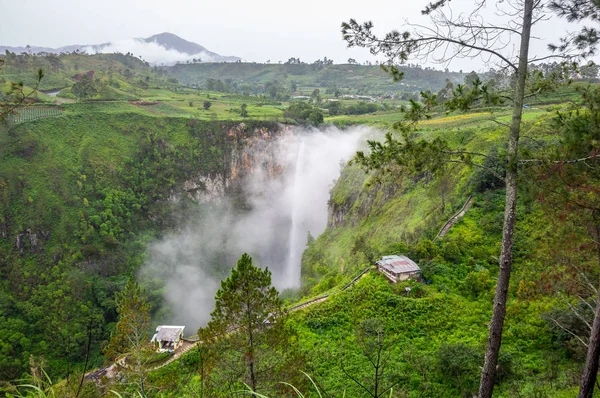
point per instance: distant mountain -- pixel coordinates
(163, 48)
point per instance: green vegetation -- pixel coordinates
(304, 113)
(280, 80)
(84, 186)
(80, 196)
(246, 338)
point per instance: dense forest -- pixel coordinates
(489, 182)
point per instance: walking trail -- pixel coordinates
(454, 219)
(189, 343)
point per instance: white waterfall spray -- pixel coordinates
(273, 231)
(296, 227)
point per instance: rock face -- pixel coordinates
(204, 189)
(337, 215)
(358, 203)
(30, 241)
(250, 154)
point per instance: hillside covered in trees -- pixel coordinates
(135, 199)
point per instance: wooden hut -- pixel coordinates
(398, 268)
(168, 338)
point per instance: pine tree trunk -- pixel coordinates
(87, 357)
(588, 378)
(488, 373)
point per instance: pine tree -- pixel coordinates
(467, 35)
(131, 333)
(247, 324)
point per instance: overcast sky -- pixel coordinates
(257, 30)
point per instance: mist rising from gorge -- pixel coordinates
(271, 224)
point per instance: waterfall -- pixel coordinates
(296, 245)
(285, 189)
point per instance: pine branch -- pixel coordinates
(571, 161)
(568, 331)
(9, 109)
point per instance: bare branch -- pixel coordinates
(465, 153)
(568, 331)
(500, 123)
(574, 311)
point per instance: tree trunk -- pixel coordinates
(87, 357)
(251, 358)
(588, 378)
(488, 373)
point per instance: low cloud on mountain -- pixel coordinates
(151, 52)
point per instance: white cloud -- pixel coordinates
(151, 52)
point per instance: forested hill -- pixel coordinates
(80, 196)
(90, 179)
(322, 74)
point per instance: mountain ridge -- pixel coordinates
(168, 41)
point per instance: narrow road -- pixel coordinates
(454, 219)
(185, 347)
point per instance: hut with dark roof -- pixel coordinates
(168, 338)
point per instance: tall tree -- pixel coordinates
(585, 41)
(247, 324)
(84, 88)
(573, 188)
(131, 333)
(465, 35)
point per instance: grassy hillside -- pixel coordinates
(306, 77)
(85, 185)
(439, 330)
(434, 335)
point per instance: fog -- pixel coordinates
(272, 227)
(151, 52)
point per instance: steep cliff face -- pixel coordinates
(370, 215)
(357, 196)
(252, 151)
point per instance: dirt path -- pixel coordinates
(112, 370)
(185, 347)
(60, 100)
(454, 219)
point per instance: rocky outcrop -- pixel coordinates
(358, 205)
(252, 152)
(30, 241)
(336, 215)
(204, 189)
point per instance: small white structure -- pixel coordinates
(398, 268)
(168, 337)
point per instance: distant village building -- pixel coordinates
(398, 268)
(360, 97)
(168, 338)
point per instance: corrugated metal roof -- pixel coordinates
(168, 333)
(398, 264)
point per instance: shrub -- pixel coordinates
(459, 363)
